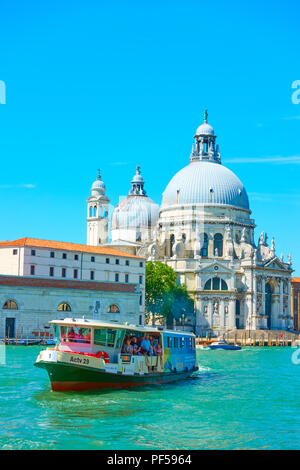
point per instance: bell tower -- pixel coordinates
(97, 214)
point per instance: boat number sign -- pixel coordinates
(79, 360)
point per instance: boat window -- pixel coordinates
(169, 342)
(100, 337)
(111, 336)
(56, 333)
(182, 342)
(175, 342)
(72, 334)
(120, 338)
(105, 337)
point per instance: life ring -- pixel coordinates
(104, 355)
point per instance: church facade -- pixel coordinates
(204, 231)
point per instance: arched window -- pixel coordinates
(218, 244)
(10, 305)
(64, 307)
(204, 245)
(91, 211)
(95, 211)
(113, 308)
(215, 284)
(172, 241)
(183, 238)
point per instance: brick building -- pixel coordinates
(42, 280)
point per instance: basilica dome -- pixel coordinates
(136, 210)
(205, 182)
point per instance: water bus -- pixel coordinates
(92, 354)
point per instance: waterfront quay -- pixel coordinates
(263, 338)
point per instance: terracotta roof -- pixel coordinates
(37, 243)
(63, 284)
(295, 279)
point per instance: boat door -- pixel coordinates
(10, 327)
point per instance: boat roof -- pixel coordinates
(86, 322)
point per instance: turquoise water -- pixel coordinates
(247, 399)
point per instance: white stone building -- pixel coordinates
(204, 231)
(42, 280)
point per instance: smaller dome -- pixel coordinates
(135, 212)
(205, 129)
(99, 185)
(137, 179)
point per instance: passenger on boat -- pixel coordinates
(136, 349)
(151, 347)
(158, 350)
(127, 348)
(155, 342)
(79, 336)
(87, 338)
(146, 346)
(71, 334)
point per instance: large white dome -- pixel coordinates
(205, 182)
(135, 212)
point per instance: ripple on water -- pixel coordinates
(235, 401)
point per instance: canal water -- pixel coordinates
(246, 399)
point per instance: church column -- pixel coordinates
(253, 297)
(263, 288)
(231, 314)
(222, 313)
(210, 313)
(280, 298)
(210, 248)
(199, 315)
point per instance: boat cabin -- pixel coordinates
(124, 347)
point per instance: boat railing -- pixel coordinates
(140, 363)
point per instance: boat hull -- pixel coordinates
(67, 377)
(226, 346)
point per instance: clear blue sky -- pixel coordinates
(112, 84)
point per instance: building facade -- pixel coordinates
(204, 231)
(42, 280)
(295, 294)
